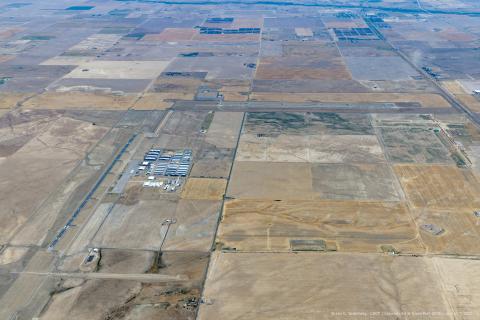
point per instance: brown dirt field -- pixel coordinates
(5, 57)
(224, 129)
(461, 282)
(453, 35)
(310, 148)
(461, 235)
(11, 255)
(80, 100)
(35, 170)
(277, 72)
(304, 32)
(195, 226)
(152, 101)
(211, 169)
(247, 22)
(234, 84)
(137, 226)
(344, 24)
(439, 187)
(163, 96)
(235, 88)
(235, 96)
(453, 87)
(9, 100)
(306, 181)
(470, 101)
(296, 68)
(271, 180)
(427, 100)
(173, 84)
(172, 34)
(9, 32)
(321, 52)
(353, 225)
(204, 189)
(325, 286)
(117, 298)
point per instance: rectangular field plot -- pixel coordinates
(461, 281)
(437, 187)
(426, 100)
(39, 150)
(365, 181)
(118, 70)
(298, 67)
(459, 235)
(132, 287)
(136, 225)
(380, 68)
(270, 180)
(204, 189)
(224, 129)
(217, 67)
(310, 148)
(211, 168)
(304, 181)
(319, 285)
(406, 144)
(275, 123)
(253, 225)
(194, 227)
(93, 45)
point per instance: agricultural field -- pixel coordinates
(427, 186)
(225, 160)
(234, 285)
(262, 225)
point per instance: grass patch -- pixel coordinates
(207, 121)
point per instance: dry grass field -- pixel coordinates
(304, 181)
(195, 226)
(271, 180)
(224, 129)
(461, 231)
(310, 148)
(204, 189)
(274, 68)
(427, 100)
(172, 34)
(10, 100)
(351, 226)
(326, 286)
(328, 176)
(439, 187)
(118, 70)
(80, 100)
(57, 148)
